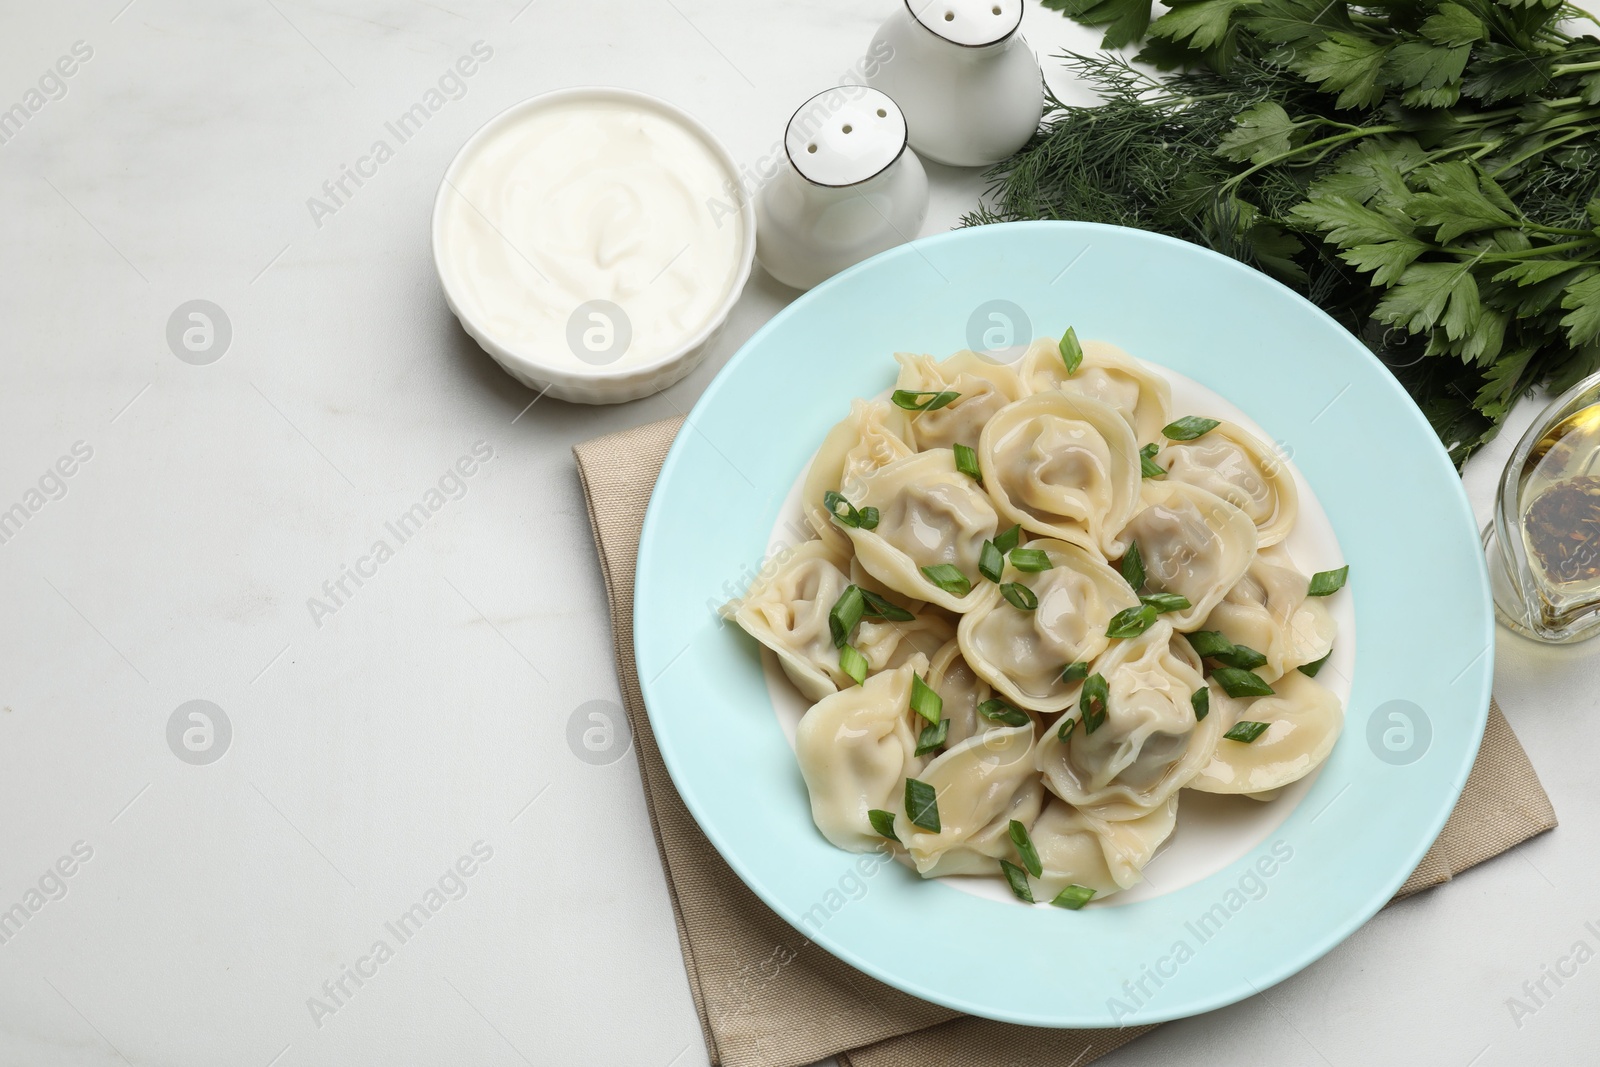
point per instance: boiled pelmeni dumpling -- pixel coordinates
(887, 643)
(871, 436)
(1193, 543)
(1062, 466)
(856, 748)
(1303, 722)
(1149, 745)
(929, 514)
(1022, 653)
(982, 784)
(1076, 848)
(961, 690)
(984, 387)
(1268, 610)
(1230, 462)
(786, 608)
(1108, 374)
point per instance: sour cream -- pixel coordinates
(591, 229)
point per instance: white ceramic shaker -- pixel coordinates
(969, 84)
(852, 188)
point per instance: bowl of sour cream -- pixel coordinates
(593, 241)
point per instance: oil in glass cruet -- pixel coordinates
(1559, 503)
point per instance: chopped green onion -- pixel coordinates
(883, 822)
(1131, 622)
(1074, 672)
(1165, 602)
(844, 615)
(1244, 657)
(881, 608)
(1210, 643)
(845, 514)
(1188, 428)
(1240, 683)
(1148, 467)
(1025, 849)
(1017, 879)
(1092, 702)
(1031, 560)
(913, 401)
(1326, 583)
(997, 710)
(1246, 731)
(967, 463)
(1019, 596)
(932, 737)
(1073, 897)
(924, 701)
(922, 805)
(853, 663)
(1200, 700)
(1133, 566)
(1064, 731)
(991, 562)
(1071, 351)
(1310, 669)
(949, 578)
(1005, 542)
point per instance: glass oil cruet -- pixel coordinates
(1544, 542)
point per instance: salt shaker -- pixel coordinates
(970, 86)
(851, 189)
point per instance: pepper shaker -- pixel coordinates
(852, 188)
(970, 86)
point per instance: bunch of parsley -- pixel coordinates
(1425, 170)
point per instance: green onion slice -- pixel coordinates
(1064, 731)
(1133, 566)
(1240, 683)
(991, 561)
(1025, 849)
(1165, 602)
(1071, 351)
(1210, 643)
(883, 822)
(1092, 702)
(878, 607)
(932, 737)
(996, 710)
(1131, 622)
(1008, 540)
(922, 805)
(845, 514)
(1246, 731)
(1244, 657)
(967, 463)
(1073, 897)
(853, 663)
(928, 400)
(1019, 596)
(1030, 560)
(844, 615)
(1200, 700)
(1188, 428)
(1326, 583)
(949, 578)
(1310, 669)
(1148, 467)
(924, 701)
(1017, 879)
(1074, 672)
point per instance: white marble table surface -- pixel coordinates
(421, 728)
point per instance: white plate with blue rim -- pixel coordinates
(1246, 894)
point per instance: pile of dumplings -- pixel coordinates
(892, 493)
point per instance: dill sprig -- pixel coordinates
(1426, 171)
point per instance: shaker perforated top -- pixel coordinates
(845, 135)
(972, 23)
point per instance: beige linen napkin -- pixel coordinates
(767, 996)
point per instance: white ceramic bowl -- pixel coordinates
(557, 373)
